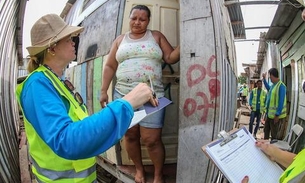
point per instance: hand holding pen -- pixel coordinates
(153, 91)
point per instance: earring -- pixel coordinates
(52, 53)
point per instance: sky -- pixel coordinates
(254, 16)
(246, 52)
(34, 10)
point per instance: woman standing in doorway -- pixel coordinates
(134, 57)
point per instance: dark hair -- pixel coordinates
(141, 7)
(274, 72)
(259, 81)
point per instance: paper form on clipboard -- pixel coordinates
(239, 156)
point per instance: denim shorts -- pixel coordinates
(155, 120)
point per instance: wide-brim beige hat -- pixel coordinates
(48, 30)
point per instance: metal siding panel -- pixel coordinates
(9, 119)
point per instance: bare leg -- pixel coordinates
(133, 148)
(153, 142)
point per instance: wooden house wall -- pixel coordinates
(100, 31)
(292, 49)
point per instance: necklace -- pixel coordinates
(48, 67)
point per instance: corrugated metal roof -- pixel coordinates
(237, 20)
(285, 14)
(261, 52)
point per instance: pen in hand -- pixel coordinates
(152, 88)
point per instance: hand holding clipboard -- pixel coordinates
(236, 155)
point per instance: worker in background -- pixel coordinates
(244, 94)
(276, 106)
(257, 104)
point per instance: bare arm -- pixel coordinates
(109, 71)
(284, 158)
(170, 55)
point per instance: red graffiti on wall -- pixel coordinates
(200, 72)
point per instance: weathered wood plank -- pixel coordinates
(100, 30)
(97, 83)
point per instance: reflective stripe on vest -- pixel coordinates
(274, 100)
(56, 175)
(262, 98)
(48, 166)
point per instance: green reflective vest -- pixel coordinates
(262, 99)
(245, 91)
(296, 168)
(274, 100)
(48, 166)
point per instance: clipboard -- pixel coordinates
(236, 156)
(148, 109)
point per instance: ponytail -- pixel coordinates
(35, 61)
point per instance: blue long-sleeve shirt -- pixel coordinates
(47, 112)
(257, 99)
(282, 93)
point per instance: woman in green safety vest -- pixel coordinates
(294, 164)
(63, 138)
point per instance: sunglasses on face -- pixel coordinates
(71, 88)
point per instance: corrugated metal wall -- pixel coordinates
(10, 39)
(207, 56)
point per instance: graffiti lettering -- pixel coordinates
(190, 80)
(195, 75)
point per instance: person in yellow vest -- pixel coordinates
(257, 104)
(276, 106)
(244, 93)
(63, 139)
(294, 164)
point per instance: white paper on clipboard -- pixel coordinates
(239, 157)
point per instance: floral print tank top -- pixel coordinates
(137, 60)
